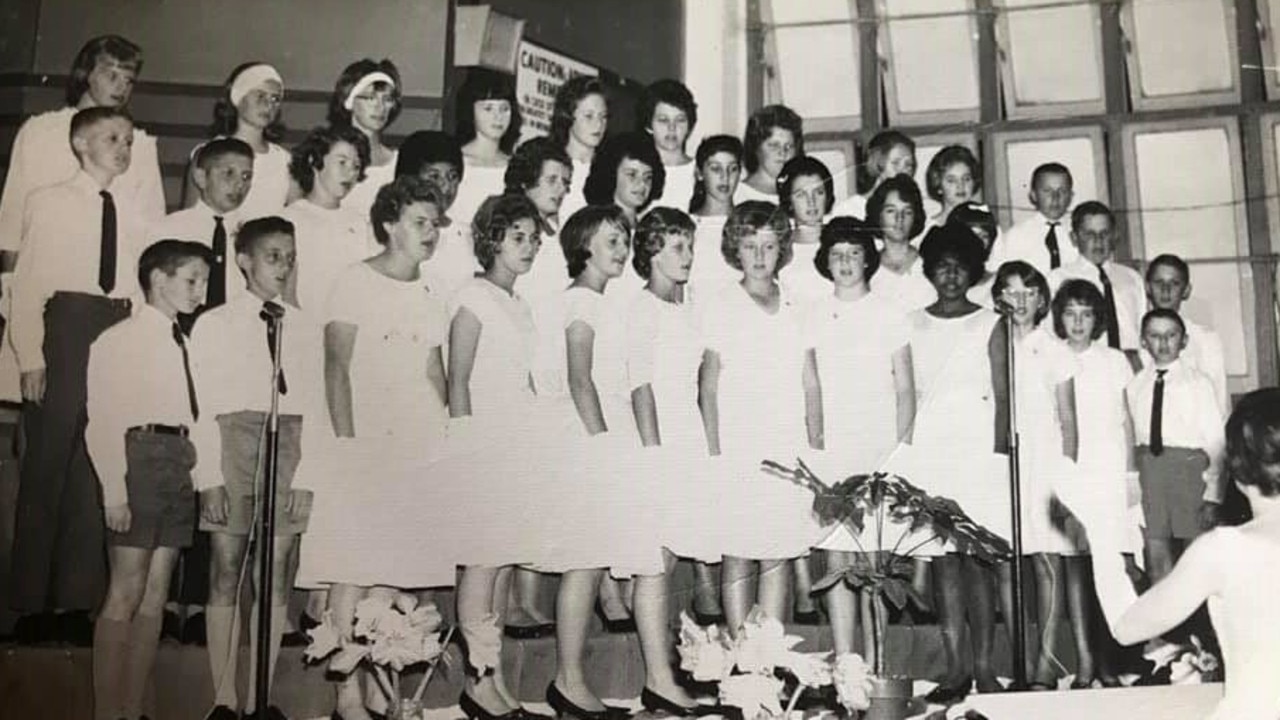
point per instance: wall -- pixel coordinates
(17, 42)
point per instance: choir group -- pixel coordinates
(570, 356)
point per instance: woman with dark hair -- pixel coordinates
(669, 113)
(774, 135)
(896, 213)
(367, 97)
(579, 119)
(954, 176)
(626, 172)
(805, 195)
(435, 157)
(718, 162)
(541, 171)
(487, 125)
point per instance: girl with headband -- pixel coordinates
(367, 98)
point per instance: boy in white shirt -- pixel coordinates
(1042, 239)
(1168, 286)
(1178, 432)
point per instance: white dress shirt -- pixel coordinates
(135, 378)
(229, 354)
(1128, 286)
(61, 244)
(1189, 416)
(328, 241)
(196, 224)
(42, 156)
(1025, 241)
(1204, 352)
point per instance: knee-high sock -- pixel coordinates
(110, 650)
(144, 640)
(224, 652)
(277, 633)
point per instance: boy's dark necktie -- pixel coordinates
(217, 293)
(271, 313)
(181, 339)
(1156, 443)
(1051, 244)
(107, 250)
(1109, 297)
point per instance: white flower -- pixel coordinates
(704, 652)
(406, 602)
(852, 679)
(426, 616)
(811, 669)
(752, 694)
(324, 639)
(763, 644)
(370, 612)
(484, 643)
(348, 658)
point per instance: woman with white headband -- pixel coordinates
(367, 98)
(249, 110)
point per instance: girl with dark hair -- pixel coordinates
(774, 135)
(541, 171)
(487, 125)
(669, 113)
(626, 172)
(718, 170)
(435, 157)
(805, 195)
(896, 213)
(366, 97)
(579, 120)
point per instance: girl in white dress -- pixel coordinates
(491, 401)
(1229, 567)
(954, 176)
(754, 360)
(774, 135)
(579, 120)
(628, 173)
(889, 153)
(719, 168)
(541, 171)
(487, 124)
(958, 361)
(896, 211)
(367, 97)
(436, 157)
(330, 234)
(1048, 444)
(249, 110)
(860, 392)
(385, 386)
(805, 195)
(1106, 451)
(669, 113)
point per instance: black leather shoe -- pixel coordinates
(529, 632)
(171, 626)
(272, 713)
(566, 708)
(306, 622)
(475, 711)
(655, 703)
(616, 626)
(807, 617)
(35, 629)
(222, 712)
(74, 629)
(708, 619)
(194, 631)
(950, 693)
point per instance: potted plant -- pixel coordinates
(888, 520)
(390, 636)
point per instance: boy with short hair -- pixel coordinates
(1042, 239)
(74, 280)
(233, 353)
(1168, 286)
(141, 402)
(1093, 229)
(1178, 432)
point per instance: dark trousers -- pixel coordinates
(59, 551)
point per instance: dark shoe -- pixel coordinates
(171, 627)
(306, 622)
(655, 703)
(708, 619)
(36, 629)
(529, 632)
(950, 693)
(807, 617)
(296, 638)
(522, 714)
(618, 626)
(272, 713)
(194, 631)
(222, 712)
(475, 711)
(566, 708)
(375, 715)
(74, 629)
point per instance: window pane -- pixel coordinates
(933, 62)
(1054, 54)
(817, 66)
(1180, 47)
(1269, 17)
(1187, 192)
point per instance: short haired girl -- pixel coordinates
(805, 196)
(366, 97)
(718, 162)
(487, 125)
(579, 119)
(774, 135)
(896, 213)
(669, 113)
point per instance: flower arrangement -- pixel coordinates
(745, 669)
(1189, 663)
(874, 507)
(390, 636)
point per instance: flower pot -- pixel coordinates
(890, 698)
(406, 709)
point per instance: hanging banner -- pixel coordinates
(539, 74)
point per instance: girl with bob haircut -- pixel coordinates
(1105, 455)
(669, 113)
(366, 97)
(1049, 444)
(541, 170)
(805, 196)
(718, 170)
(774, 135)
(954, 176)
(859, 387)
(626, 172)
(579, 120)
(487, 125)
(895, 211)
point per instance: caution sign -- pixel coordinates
(539, 74)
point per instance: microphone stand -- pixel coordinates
(266, 528)
(1015, 496)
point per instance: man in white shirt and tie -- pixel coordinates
(1042, 239)
(1168, 286)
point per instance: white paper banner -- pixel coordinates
(539, 74)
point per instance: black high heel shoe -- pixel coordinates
(616, 627)
(707, 619)
(566, 708)
(655, 703)
(474, 711)
(950, 693)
